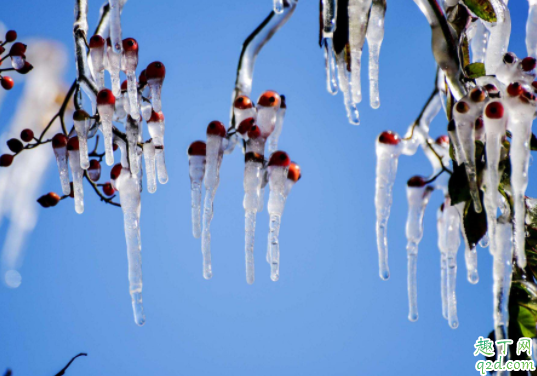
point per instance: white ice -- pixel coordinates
(149, 157)
(346, 88)
(499, 36)
(375, 35)
(470, 253)
(453, 241)
(275, 206)
(252, 182)
(61, 160)
(197, 171)
(275, 135)
(106, 113)
(78, 175)
(358, 15)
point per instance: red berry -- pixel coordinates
(7, 82)
(11, 36)
(515, 89)
(80, 115)
(124, 86)
(527, 97)
(15, 145)
(142, 80)
(462, 107)
(17, 49)
(389, 137)
(48, 200)
(96, 41)
(59, 141)
(254, 132)
(156, 116)
(528, 64)
(197, 148)
(94, 170)
(105, 96)
(478, 123)
(26, 68)
(6, 160)
(108, 189)
(491, 89)
(216, 128)
(246, 125)
(130, 45)
(155, 70)
(442, 140)
(254, 157)
(114, 147)
(294, 173)
(116, 171)
(279, 158)
(478, 95)
(242, 102)
(27, 135)
(509, 58)
(73, 144)
(416, 181)
(269, 99)
(494, 110)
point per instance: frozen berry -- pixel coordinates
(124, 86)
(509, 58)
(27, 135)
(27, 67)
(243, 102)
(515, 89)
(156, 117)
(462, 107)
(528, 64)
(80, 115)
(7, 82)
(142, 80)
(279, 158)
(96, 41)
(416, 181)
(294, 173)
(73, 144)
(269, 99)
(478, 123)
(442, 140)
(130, 45)
(155, 70)
(6, 160)
(494, 110)
(108, 189)
(49, 200)
(246, 125)
(17, 49)
(389, 137)
(105, 96)
(478, 95)
(15, 145)
(197, 148)
(254, 132)
(59, 141)
(116, 170)
(254, 157)
(216, 128)
(492, 90)
(11, 36)
(94, 170)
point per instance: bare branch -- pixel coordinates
(62, 372)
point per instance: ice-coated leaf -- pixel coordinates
(482, 9)
(458, 185)
(475, 70)
(475, 224)
(341, 35)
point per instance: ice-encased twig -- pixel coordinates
(479, 42)
(84, 78)
(61, 159)
(106, 113)
(149, 157)
(387, 158)
(275, 206)
(115, 25)
(329, 14)
(129, 196)
(132, 138)
(275, 135)
(251, 47)
(156, 126)
(500, 31)
(418, 197)
(375, 35)
(346, 88)
(358, 17)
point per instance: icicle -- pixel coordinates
(278, 169)
(114, 66)
(252, 182)
(453, 240)
(132, 139)
(105, 106)
(442, 229)
(151, 175)
(147, 110)
(521, 111)
(499, 36)
(215, 136)
(77, 172)
(346, 87)
(418, 196)
(130, 58)
(330, 65)
(129, 196)
(495, 126)
(82, 122)
(97, 48)
(196, 162)
(375, 35)
(503, 254)
(156, 130)
(59, 145)
(358, 18)
(388, 149)
(123, 149)
(531, 29)
(274, 137)
(155, 73)
(479, 42)
(268, 106)
(115, 25)
(465, 114)
(264, 183)
(470, 254)
(278, 6)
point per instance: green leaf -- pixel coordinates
(526, 321)
(475, 224)
(475, 70)
(482, 9)
(459, 190)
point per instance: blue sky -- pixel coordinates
(329, 313)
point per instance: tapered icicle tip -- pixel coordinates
(454, 324)
(197, 148)
(216, 128)
(269, 99)
(413, 317)
(105, 97)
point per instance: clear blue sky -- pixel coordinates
(329, 314)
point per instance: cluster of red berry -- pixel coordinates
(18, 59)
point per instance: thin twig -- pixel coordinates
(107, 200)
(62, 372)
(444, 168)
(418, 119)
